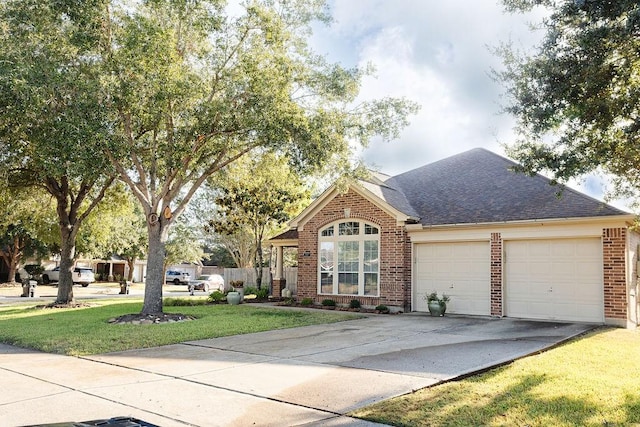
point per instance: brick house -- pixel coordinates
(497, 242)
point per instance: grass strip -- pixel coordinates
(84, 331)
(592, 381)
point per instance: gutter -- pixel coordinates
(628, 219)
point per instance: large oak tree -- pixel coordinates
(194, 87)
(168, 93)
(577, 96)
(53, 120)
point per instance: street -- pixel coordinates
(47, 293)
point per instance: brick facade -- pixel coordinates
(614, 244)
(496, 274)
(634, 300)
(395, 253)
(396, 262)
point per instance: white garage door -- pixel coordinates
(554, 279)
(462, 270)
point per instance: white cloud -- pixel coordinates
(435, 53)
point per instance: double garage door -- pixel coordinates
(552, 279)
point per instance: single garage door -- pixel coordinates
(558, 279)
(462, 270)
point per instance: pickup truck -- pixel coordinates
(81, 275)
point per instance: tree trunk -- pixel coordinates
(259, 262)
(158, 233)
(12, 256)
(67, 257)
(259, 233)
(131, 263)
(13, 267)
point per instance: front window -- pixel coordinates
(326, 267)
(349, 262)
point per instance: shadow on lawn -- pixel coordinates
(518, 404)
(522, 399)
(632, 409)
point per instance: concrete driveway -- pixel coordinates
(304, 376)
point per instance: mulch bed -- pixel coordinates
(69, 305)
(150, 319)
(10, 285)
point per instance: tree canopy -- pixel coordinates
(255, 198)
(116, 227)
(164, 94)
(27, 226)
(53, 123)
(193, 88)
(577, 97)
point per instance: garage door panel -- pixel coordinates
(591, 252)
(540, 250)
(460, 270)
(585, 294)
(577, 310)
(556, 279)
(559, 248)
(591, 269)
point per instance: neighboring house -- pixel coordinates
(498, 242)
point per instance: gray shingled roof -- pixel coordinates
(378, 185)
(478, 186)
(286, 235)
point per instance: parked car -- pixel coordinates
(177, 277)
(82, 275)
(208, 282)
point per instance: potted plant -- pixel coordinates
(233, 298)
(437, 305)
(238, 286)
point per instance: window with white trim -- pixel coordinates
(349, 261)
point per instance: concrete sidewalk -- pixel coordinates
(304, 376)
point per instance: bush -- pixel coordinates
(181, 302)
(215, 296)
(34, 269)
(250, 290)
(328, 303)
(306, 301)
(261, 293)
(354, 303)
(382, 308)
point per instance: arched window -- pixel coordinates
(349, 261)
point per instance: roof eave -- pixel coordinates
(284, 242)
(319, 203)
(626, 218)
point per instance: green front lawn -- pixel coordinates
(83, 331)
(593, 381)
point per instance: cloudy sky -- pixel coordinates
(438, 54)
